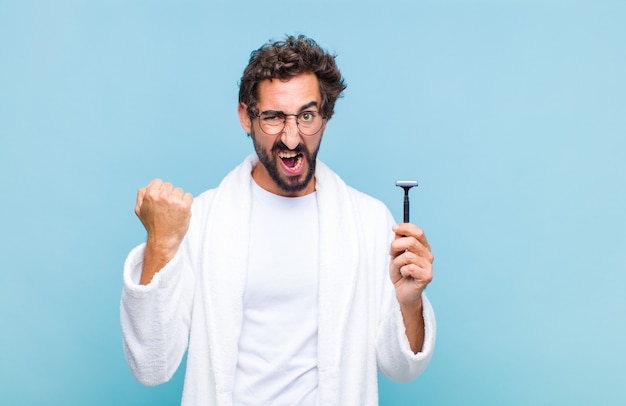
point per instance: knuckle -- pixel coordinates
(155, 183)
(428, 279)
(149, 194)
(180, 205)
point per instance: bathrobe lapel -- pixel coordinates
(224, 275)
(339, 254)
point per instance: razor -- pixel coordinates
(406, 185)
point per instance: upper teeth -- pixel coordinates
(289, 154)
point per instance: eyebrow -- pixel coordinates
(303, 108)
(308, 105)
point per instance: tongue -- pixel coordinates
(290, 162)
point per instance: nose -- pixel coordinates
(291, 135)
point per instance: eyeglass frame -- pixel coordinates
(255, 114)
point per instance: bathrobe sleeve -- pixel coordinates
(156, 318)
(395, 358)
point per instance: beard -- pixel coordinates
(269, 160)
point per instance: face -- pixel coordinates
(286, 160)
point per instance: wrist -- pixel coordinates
(162, 247)
(415, 305)
(156, 255)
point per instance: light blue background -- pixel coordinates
(512, 115)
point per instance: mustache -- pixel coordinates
(279, 145)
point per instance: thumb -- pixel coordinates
(140, 194)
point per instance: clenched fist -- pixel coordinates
(165, 212)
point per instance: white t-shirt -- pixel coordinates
(277, 361)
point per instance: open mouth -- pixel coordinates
(292, 161)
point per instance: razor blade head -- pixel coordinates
(406, 183)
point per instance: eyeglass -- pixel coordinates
(273, 122)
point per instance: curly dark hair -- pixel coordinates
(289, 58)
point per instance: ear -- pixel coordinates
(244, 118)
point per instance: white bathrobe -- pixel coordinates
(195, 301)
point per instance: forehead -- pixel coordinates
(289, 95)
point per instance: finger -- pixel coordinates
(185, 199)
(153, 188)
(423, 277)
(416, 242)
(166, 188)
(154, 184)
(411, 230)
(401, 245)
(420, 250)
(188, 198)
(406, 258)
(400, 261)
(409, 264)
(146, 192)
(178, 192)
(140, 194)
